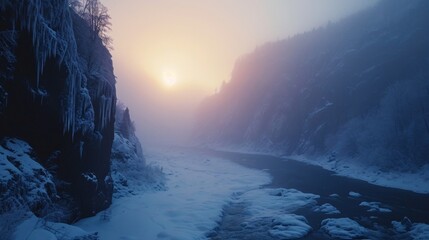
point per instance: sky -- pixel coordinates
(169, 54)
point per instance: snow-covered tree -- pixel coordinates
(97, 17)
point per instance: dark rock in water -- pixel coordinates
(406, 222)
(58, 94)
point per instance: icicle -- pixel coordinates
(52, 35)
(81, 148)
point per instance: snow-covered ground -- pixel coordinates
(198, 187)
(34, 228)
(268, 213)
(417, 181)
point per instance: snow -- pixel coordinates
(419, 231)
(270, 211)
(417, 181)
(23, 181)
(403, 226)
(290, 226)
(190, 207)
(354, 194)
(41, 234)
(90, 177)
(326, 208)
(375, 207)
(34, 228)
(319, 109)
(130, 173)
(269, 202)
(415, 231)
(343, 228)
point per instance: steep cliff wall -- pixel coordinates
(358, 88)
(58, 94)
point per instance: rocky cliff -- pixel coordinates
(355, 89)
(57, 95)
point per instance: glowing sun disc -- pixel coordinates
(169, 79)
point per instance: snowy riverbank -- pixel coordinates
(416, 181)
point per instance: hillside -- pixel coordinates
(357, 89)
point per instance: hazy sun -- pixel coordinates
(169, 79)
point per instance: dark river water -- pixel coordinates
(313, 179)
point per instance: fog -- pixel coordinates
(199, 41)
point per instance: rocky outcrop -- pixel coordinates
(59, 97)
(24, 183)
(130, 173)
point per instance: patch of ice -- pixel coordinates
(334, 195)
(343, 228)
(289, 226)
(354, 194)
(326, 208)
(272, 208)
(268, 202)
(374, 207)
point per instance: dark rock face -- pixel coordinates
(52, 98)
(357, 88)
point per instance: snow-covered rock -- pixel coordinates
(269, 212)
(34, 228)
(355, 194)
(130, 173)
(402, 226)
(289, 226)
(419, 231)
(375, 207)
(269, 202)
(409, 230)
(24, 183)
(334, 195)
(326, 208)
(343, 228)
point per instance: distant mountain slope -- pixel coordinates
(357, 89)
